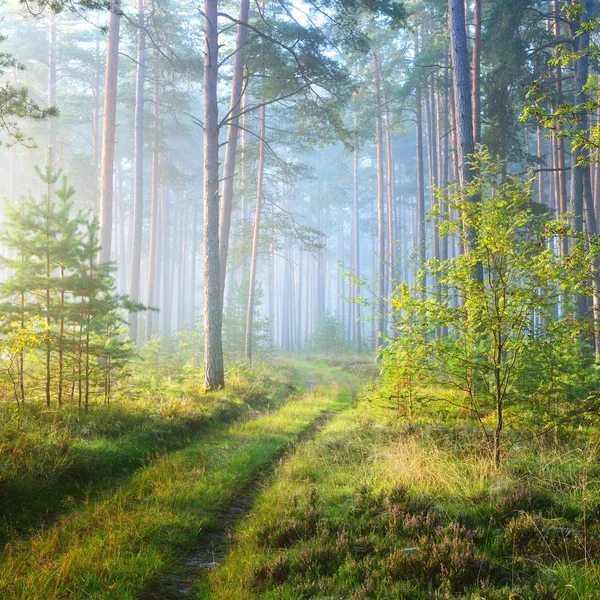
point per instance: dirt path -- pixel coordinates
(180, 582)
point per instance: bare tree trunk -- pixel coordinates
(255, 234)
(138, 174)
(167, 252)
(214, 374)
(356, 244)
(389, 157)
(381, 319)
(193, 265)
(109, 131)
(476, 61)
(52, 79)
(153, 254)
(232, 138)
(462, 87)
(463, 105)
(540, 178)
(96, 110)
(421, 235)
(560, 144)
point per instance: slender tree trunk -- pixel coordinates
(48, 297)
(153, 250)
(96, 145)
(381, 247)
(138, 181)
(109, 131)
(255, 234)
(560, 144)
(389, 157)
(356, 243)
(476, 62)
(214, 374)
(421, 235)
(580, 192)
(232, 138)
(193, 266)
(52, 78)
(461, 80)
(167, 253)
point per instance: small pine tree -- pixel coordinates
(60, 299)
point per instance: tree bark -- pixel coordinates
(214, 374)
(109, 131)
(255, 235)
(476, 61)
(356, 243)
(381, 319)
(232, 139)
(153, 249)
(138, 173)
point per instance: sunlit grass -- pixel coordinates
(443, 464)
(112, 548)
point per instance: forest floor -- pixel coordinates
(385, 505)
(302, 480)
(141, 534)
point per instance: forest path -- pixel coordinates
(133, 543)
(179, 583)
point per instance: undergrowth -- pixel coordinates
(53, 460)
(382, 507)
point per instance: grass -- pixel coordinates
(114, 547)
(379, 507)
(52, 460)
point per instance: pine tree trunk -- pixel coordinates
(109, 131)
(356, 243)
(214, 374)
(255, 235)
(421, 235)
(167, 265)
(232, 138)
(138, 170)
(52, 79)
(560, 144)
(381, 246)
(476, 62)
(153, 249)
(462, 87)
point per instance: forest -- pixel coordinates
(300, 299)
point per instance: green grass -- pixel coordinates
(114, 547)
(378, 507)
(52, 460)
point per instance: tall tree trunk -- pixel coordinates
(421, 235)
(167, 254)
(381, 319)
(476, 61)
(109, 131)
(96, 145)
(232, 138)
(153, 254)
(560, 144)
(389, 157)
(580, 156)
(214, 373)
(255, 235)
(52, 80)
(138, 173)
(463, 105)
(462, 87)
(356, 243)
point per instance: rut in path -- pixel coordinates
(215, 543)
